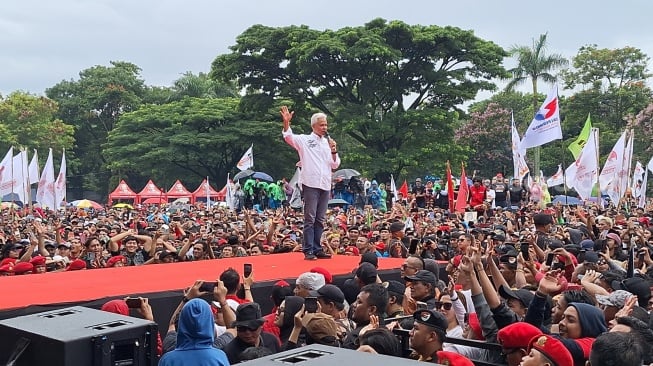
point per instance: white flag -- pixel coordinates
(60, 182)
(33, 170)
(6, 166)
(638, 180)
(641, 202)
(545, 126)
(582, 173)
(393, 188)
(247, 161)
(608, 180)
(45, 191)
(19, 176)
(230, 198)
(624, 173)
(296, 184)
(520, 167)
(557, 178)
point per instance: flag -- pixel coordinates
(624, 173)
(33, 169)
(247, 161)
(576, 146)
(463, 191)
(230, 198)
(295, 183)
(404, 190)
(638, 180)
(520, 167)
(557, 178)
(608, 180)
(545, 126)
(450, 188)
(60, 182)
(582, 173)
(45, 191)
(393, 189)
(19, 176)
(642, 198)
(6, 166)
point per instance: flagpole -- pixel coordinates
(595, 135)
(208, 197)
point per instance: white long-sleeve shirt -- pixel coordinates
(316, 158)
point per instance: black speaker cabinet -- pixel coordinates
(78, 336)
(319, 355)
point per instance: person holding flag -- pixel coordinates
(318, 155)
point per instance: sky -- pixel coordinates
(45, 42)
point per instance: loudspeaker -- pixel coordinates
(78, 336)
(320, 355)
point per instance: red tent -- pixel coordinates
(152, 191)
(123, 192)
(179, 191)
(200, 192)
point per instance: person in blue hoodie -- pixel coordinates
(195, 338)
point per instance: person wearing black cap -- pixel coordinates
(396, 291)
(398, 246)
(332, 302)
(543, 223)
(249, 324)
(422, 287)
(428, 334)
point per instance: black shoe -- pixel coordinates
(309, 257)
(323, 255)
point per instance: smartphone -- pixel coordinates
(310, 304)
(421, 305)
(641, 257)
(549, 259)
(134, 302)
(524, 251)
(208, 286)
(412, 249)
(247, 270)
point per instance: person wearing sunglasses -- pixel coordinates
(452, 308)
(249, 332)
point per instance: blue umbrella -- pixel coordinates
(566, 200)
(262, 176)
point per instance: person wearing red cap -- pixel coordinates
(23, 268)
(116, 261)
(76, 265)
(514, 340)
(453, 359)
(7, 270)
(547, 350)
(39, 264)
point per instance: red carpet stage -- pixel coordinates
(90, 285)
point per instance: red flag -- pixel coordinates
(404, 190)
(463, 192)
(450, 193)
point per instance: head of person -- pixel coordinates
(253, 353)
(411, 265)
(196, 326)
(566, 298)
(307, 282)
(638, 286)
(547, 350)
(445, 306)
(612, 303)
(117, 306)
(231, 279)
(285, 318)
(93, 245)
(366, 274)
(641, 330)
(397, 229)
(418, 182)
(382, 341)
(581, 321)
(227, 252)
(249, 322)
(616, 348)
(319, 124)
(331, 299)
(428, 332)
(422, 285)
(280, 290)
(517, 300)
(396, 292)
(514, 340)
(130, 243)
(371, 300)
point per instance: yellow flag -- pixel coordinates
(577, 146)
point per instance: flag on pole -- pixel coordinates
(230, 195)
(520, 167)
(393, 189)
(463, 191)
(450, 188)
(6, 166)
(624, 173)
(578, 144)
(582, 173)
(60, 182)
(642, 198)
(545, 126)
(45, 191)
(557, 178)
(33, 170)
(247, 161)
(609, 179)
(404, 189)
(19, 176)
(638, 180)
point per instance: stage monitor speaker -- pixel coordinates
(77, 336)
(320, 355)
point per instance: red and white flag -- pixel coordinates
(545, 126)
(19, 176)
(247, 161)
(582, 173)
(393, 189)
(33, 169)
(6, 166)
(557, 178)
(45, 191)
(520, 167)
(60, 182)
(610, 180)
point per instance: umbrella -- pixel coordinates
(123, 205)
(248, 173)
(154, 201)
(337, 202)
(8, 205)
(346, 173)
(566, 200)
(87, 204)
(244, 174)
(181, 200)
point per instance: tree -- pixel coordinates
(28, 121)
(201, 86)
(194, 138)
(93, 104)
(390, 89)
(534, 64)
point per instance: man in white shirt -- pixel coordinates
(318, 155)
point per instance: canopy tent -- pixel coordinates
(201, 192)
(152, 191)
(179, 191)
(123, 192)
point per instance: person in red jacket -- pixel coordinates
(477, 196)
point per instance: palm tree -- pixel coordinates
(534, 64)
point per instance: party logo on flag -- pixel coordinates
(550, 110)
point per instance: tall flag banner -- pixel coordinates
(545, 126)
(296, 184)
(557, 178)
(45, 191)
(450, 188)
(582, 173)
(33, 169)
(624, 173)
(404, 189)
(608, 180)
(6, 166)
(393, 189)
(518, 155)
(463, 192)
(638, 180)
(578, 144)
(230, 198)
(60, 182)
(247, 161)
(19, 176)
(642, 198)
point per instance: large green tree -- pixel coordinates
(93, 104)
(390, 89)
(191, 139)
